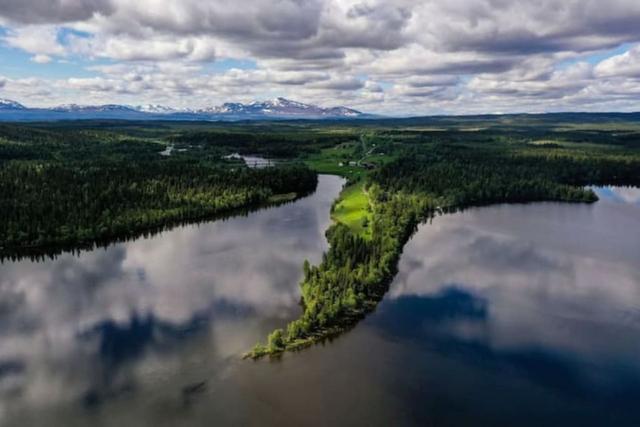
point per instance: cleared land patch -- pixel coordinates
(352, 210)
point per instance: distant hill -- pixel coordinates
(286, 109)
(279, 108)
(9, 105)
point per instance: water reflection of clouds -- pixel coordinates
(630, 195)
(230, 275)
(458, 325)
(543, 290)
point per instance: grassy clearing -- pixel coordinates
(352, 161)
(328, 161)
(351, 209)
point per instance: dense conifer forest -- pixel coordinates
(74, 189)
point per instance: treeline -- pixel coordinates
(459, 176)
(54, 203)
(268, 143)
(22, 142)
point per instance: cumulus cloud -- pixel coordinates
(125, 48)
(38, 40)
(41, 59)
(626, 65)
(522, 26)
(557, 84)
(385, 56)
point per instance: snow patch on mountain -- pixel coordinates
(75, 108)
(156, 109)
(7, 104)
(280, 107)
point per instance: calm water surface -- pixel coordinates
(506, 315)
(253, 161)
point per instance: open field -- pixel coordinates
(352, 209)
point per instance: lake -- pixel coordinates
(504, 315)
(252, 161)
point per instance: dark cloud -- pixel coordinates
(524, 27)
(341, 84)
(432, 81)
(298, 78)
(53, 11)
(378, 26)
(258, 21)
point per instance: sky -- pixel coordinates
(393, 57)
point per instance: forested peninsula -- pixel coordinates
(424, 181)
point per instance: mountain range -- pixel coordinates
(279, 108)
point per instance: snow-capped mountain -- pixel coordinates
(93, 108)
(156, 109)
(279, 108)
(226, 108)
(344, 112)
(7, 104)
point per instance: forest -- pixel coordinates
(76, 189)
(81, 183)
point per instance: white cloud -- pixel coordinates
(626, 64)
(159, 48)
(38, 40)
(398, 56)
(41, 59)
